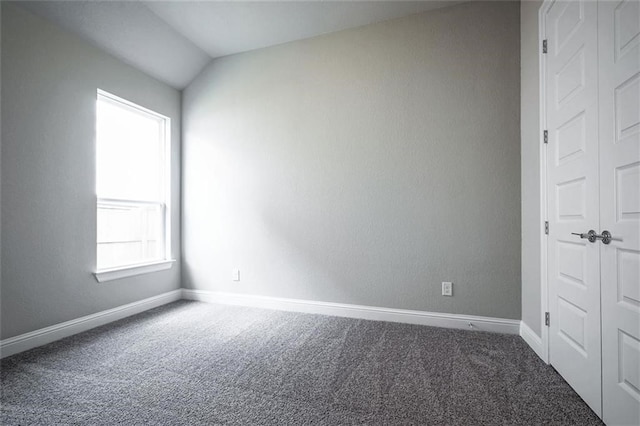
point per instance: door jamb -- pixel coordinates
(544, 283)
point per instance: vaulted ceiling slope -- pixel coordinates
(173, 40)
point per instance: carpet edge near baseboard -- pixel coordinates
(43, 336)
(434, 319)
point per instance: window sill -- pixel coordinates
(130, 271)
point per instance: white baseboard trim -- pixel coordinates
(533, 340)
(23, 342)
(498, 325)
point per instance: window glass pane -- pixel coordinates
(131, 172)
(129, 234)
(129, 153)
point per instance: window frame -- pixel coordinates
(166, 262)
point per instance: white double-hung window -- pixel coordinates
(132, 185)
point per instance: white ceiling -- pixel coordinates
(174, 40)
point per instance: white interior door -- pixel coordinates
(619, 92)
(571, 75)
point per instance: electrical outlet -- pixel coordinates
(447, 288)
(236, 274)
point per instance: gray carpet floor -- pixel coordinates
(191, 363)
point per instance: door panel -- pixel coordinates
(572, 177)
(619, 122)
(570, 139)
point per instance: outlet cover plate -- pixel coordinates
(447, 288)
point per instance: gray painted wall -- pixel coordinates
(49, 82)
(365, 166)
(530, 164)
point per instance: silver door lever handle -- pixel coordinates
(593, 237)
(606, 237)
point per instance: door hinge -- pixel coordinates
(545, 136)
(544, 46)
(546, 227)
(546, 319)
